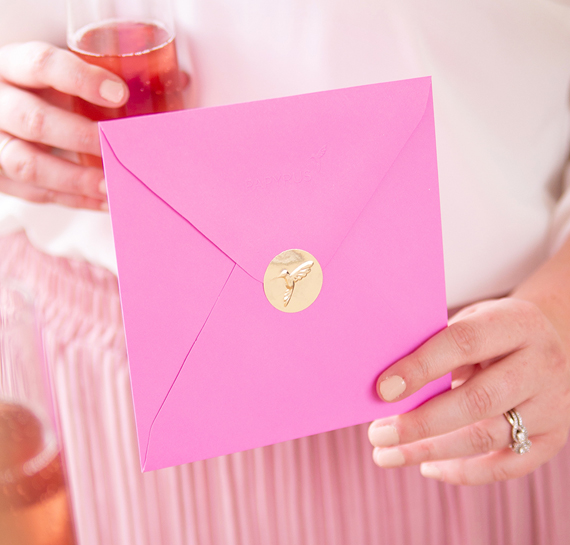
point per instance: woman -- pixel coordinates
(500, 77)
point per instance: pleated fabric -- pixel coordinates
(317, 490)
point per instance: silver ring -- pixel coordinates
(521, 443)
(3, 144)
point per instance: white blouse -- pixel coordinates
(501, 80)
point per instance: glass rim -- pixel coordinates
(74, 38)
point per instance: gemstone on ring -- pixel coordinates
(521, 443)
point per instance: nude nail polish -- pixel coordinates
(430, 471)
(388, 458)
(391, 387)
(113, 91)
(384, 436)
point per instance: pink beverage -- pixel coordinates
(144, 56)
(34, 504)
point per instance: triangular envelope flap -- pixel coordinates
(262, 177)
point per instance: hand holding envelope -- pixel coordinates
(328, 200)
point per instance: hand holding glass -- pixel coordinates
(135, 41)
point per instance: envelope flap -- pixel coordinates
(262, 177)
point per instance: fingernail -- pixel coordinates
(113, 91)
(103, 187)
(388, 458)
(384, 436)
(430, 471)
(104, 206)
(391, 388)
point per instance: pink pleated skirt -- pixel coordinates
(319, 490)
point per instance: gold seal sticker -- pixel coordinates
(293, 281)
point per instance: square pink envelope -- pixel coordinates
(203, 200)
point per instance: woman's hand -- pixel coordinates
(503, 354)
(35, 80)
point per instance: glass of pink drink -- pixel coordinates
(134, 40)
(34, 502)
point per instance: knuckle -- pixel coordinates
(426, 450)
(464, 336)
(422, 368)
(558, 359)
(478, 401)
(512, 381)
(49, 196)
(26, 168)
(42, 57)
(87, 137)
(81, 75)
(530, 320)
(422, 427)
(73, 184)
(481, 439)
(79, 181)
(34, 123)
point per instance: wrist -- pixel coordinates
(549, 290)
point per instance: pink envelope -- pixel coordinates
(201, 202)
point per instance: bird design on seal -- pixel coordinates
(291, 278)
